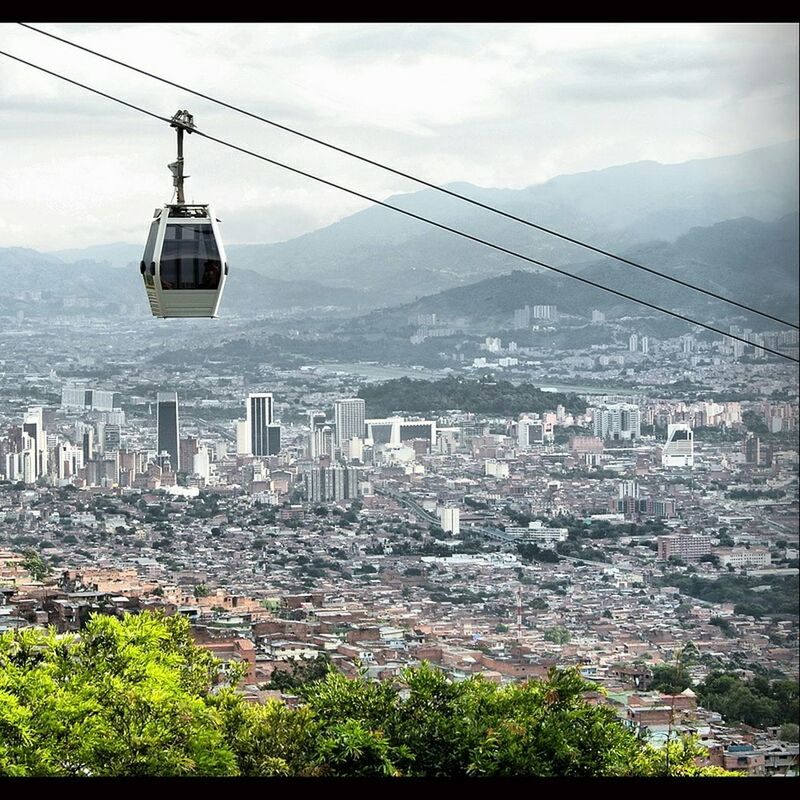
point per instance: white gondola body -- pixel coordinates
(184, 266)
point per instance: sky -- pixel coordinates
(501, 105)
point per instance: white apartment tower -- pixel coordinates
(620, 421)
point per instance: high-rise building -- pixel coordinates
(87, 443)
(167, 426)
(273, 439)
(242, 438)
(80, 397)
(33, 426)
(111, 437)
(188, 449)
(316, 421)
(522, 318)
(545, 312)
(679, 449)
(633, 343)
(329, 484)
(450, 518)
(201, 464)
(533, 430)
(645, 345)
(259, 419)
(619, 421)
(349, 416)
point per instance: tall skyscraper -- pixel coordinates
(316, 421)
(33, 426)
(167, 425)
(259, 419)
(87, 443)
(273, 439)
(633, 343)
(349, 416)
(645, 345)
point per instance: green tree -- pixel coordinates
(789, 732)
(32, 562)
(127, 698)
(671, 679)
(557, 634)
(135, 696)
(301, 671)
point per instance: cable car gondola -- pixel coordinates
(184, 265)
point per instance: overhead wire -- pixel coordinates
(411, 214)
(421, 181)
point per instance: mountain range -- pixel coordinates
(616, 208)
(745, 259)
(666, 215)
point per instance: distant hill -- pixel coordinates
(748, 260)
(118, 254)
(59, 287)
(619, 207)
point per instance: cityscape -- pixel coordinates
(274, 509)
(405, 506)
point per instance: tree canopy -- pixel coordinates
(136, 696)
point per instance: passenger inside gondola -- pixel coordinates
(211, 275)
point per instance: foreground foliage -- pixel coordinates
(137, 697)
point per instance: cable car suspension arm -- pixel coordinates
(182, 121)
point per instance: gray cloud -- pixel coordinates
(501, 105)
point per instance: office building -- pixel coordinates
(349, 417)
(167, 427)
(317, 423)
(397, 430)
(532, 430)
(679, 449)
(633, 343)
(82, 398)
(259, 418)
(33, 426)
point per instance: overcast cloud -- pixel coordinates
(495, 105)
